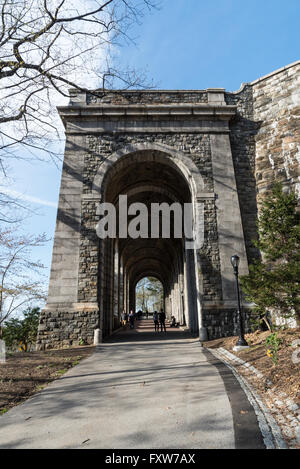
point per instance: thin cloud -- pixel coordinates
(28, 198)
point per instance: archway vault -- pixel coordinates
(146, 152)
(147, 175)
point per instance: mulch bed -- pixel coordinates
(25, 373)
(285, 376)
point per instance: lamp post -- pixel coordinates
(235, 264)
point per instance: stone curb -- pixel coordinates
(270, 430)
(285, 410)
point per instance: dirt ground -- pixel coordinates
(25, 373)
(285, 376)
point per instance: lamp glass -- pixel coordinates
(235, 261)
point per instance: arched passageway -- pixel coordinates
(149, 295)
(169, 147)
(146, 177)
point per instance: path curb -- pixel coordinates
(270, 430)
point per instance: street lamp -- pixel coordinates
(235, 264)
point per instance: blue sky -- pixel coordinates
(195, 44)
(186, 44)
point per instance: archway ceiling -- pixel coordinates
(149, 259)
(147, 174)
(166, 249)
(138, 254)
(147, 179)
(147, 267)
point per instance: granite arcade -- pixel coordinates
(212, 149)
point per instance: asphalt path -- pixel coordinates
(140, 390)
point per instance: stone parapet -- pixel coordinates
(59, 329)
(223, 322)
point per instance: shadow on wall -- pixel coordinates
(243, 147)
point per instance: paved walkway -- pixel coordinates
(141, 389)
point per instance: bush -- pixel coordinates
(273, 282)
(22, 330)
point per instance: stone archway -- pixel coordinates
(182, 137)
(147, 175)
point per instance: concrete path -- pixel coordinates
(139, 390)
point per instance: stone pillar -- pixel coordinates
(230, 230)
(116, 286)
(63, 284)
(121, 290)
(65, 320)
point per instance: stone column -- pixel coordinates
(230, 230)
(67, 318)
(116, 285)
(65, 259)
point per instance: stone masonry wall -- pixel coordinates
(209, 258)
(148, 97)
(225, 323)
(88, 254)
(265, 141)
(59, 329)
(242, 138)
(276, 106)
(197, 147)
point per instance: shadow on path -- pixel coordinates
(144, 332)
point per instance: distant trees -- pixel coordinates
(18, 288)
(273, 283)
(156, 291)
(149, 294)
(22, 331)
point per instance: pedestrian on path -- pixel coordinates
(124, 318)
(162, 319)
(131, 319)
(156, 323)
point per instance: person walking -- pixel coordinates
(131, 319)
(162, 319)
(124, 318)
(156, 323)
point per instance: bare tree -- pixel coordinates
(17, 285)
(47, 47)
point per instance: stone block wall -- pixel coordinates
(276, 107)
(265, 141)
(59, 329)
(225, 323)
(148, 97)
(197, 147)
(243, 130)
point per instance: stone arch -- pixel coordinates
(161, 152)
(184, 183)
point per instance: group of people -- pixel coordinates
(128, 318)
(159, 319)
